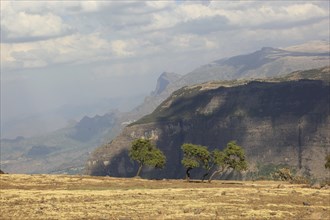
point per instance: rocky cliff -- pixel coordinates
(283, 121)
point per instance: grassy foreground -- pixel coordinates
(85, 197)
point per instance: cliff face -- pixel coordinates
(277, 122)
(266, 62)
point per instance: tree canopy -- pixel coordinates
(145, 153)
(195, 156)
(232, 157)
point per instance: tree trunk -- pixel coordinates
(215, 172)
(204, 176)
(208, 171)
(188, 174)
(139, 170)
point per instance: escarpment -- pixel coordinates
(282, 121)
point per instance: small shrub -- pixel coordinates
(283, 174)
(300, 180)
(266, 171)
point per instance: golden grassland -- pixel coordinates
(86, 197)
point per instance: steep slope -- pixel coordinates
(276, 121)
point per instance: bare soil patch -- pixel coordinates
(86, 197)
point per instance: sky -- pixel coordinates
(78, 54)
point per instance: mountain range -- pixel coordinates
(67, 150)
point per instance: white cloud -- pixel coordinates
(307, 10)
(59, 7)
(68, 49)
(160, 4)
(25, 25)
(91, 6)
(191, 42)
(271, 14)
(20, 24)
(121, 48)
(194, 11)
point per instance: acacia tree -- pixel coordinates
(194, 156)
(232, 157)
(146, 154)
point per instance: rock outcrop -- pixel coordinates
(163, 81)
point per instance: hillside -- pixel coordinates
(281, 121)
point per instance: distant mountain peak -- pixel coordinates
(168, 74)
(164, 80)
(271, 51)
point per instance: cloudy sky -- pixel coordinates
(62, 53)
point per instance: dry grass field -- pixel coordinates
(86, 197)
